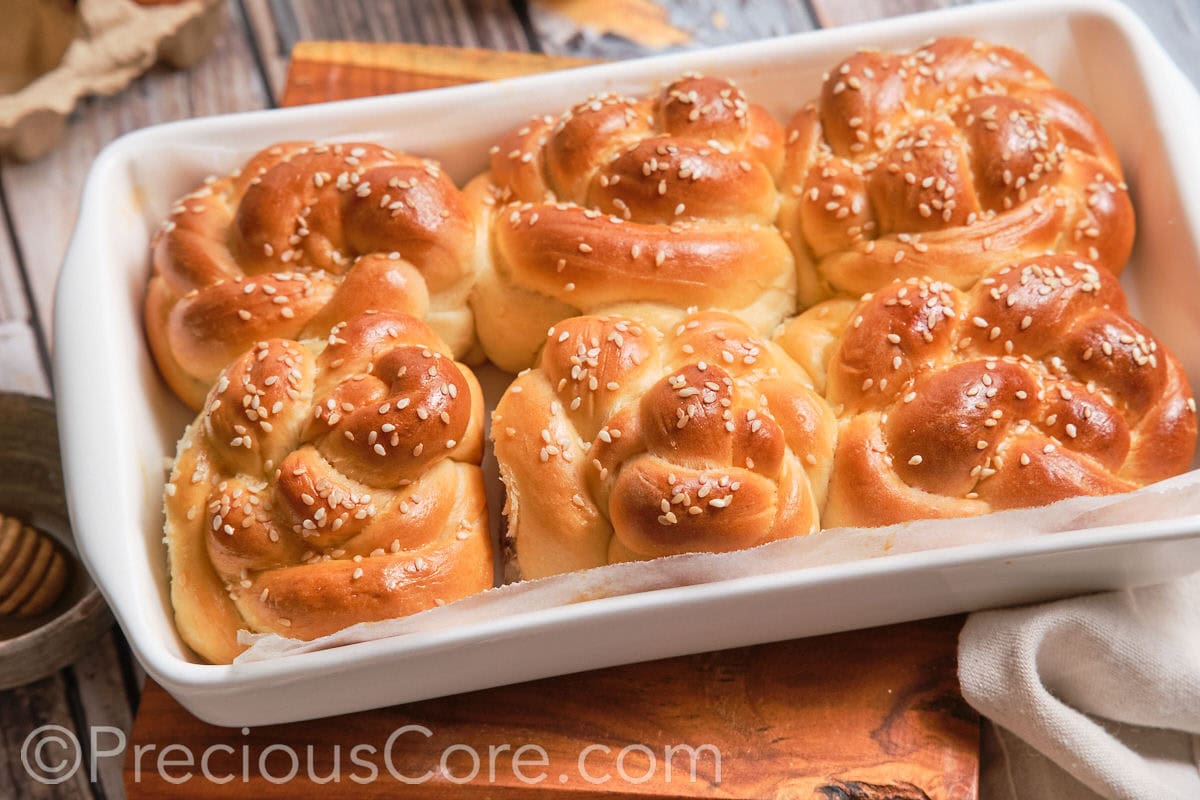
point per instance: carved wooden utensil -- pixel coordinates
(50, 611)
(33, 570)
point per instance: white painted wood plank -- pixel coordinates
(22, 711)
(20, 366)
(831, 13)
(1176, 23)
(102, 695)
(12, 290)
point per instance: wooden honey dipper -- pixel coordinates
(33, 569)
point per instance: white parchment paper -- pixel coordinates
(1171, 499)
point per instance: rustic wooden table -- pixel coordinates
(247, 71)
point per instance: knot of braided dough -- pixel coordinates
(633, 205)
(1034, 386)
(946, 162)
(628, 442)
(328, 482)
(300, 237)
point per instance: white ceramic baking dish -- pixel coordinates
(118, 422)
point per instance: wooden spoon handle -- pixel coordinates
(33, 570)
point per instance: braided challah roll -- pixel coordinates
(632, 442)
(1034, 386)
(328, 482)
(946, 162)
(302, 236)
(643, 206)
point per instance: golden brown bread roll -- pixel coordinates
(629, 442)
(945, 162)
(1034, 386)
(328, 482)
(302, 236)
(633, 205)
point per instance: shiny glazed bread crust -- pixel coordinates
(302, 236)
(630, 442)
(1034, 386)
(650, 205)
(328, 482)
(945, 162)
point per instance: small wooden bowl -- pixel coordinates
(31, 490)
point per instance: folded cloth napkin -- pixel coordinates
(1095, 696)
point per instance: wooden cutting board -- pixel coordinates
(323, 71)
(865, 715)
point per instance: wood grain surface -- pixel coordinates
(247, 70)
(324, 71)
(860, 715)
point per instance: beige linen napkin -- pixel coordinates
(1095, 696)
